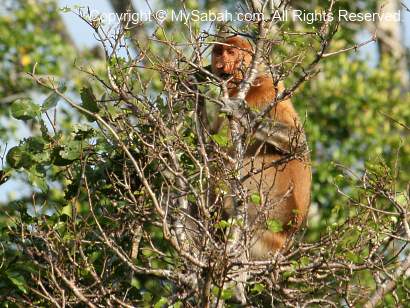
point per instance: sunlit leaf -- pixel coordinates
(67, 210)
(24, 109)
(274, 225)
(255, 199)
(18, 280)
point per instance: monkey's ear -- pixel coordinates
(200, 75)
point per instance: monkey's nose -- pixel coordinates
(228, 68)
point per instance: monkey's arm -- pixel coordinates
(284, 137)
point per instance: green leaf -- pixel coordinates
(35, 145)
(227, 293)
(147, 298)
(50, 102)
(17, 158)
(44, 131)
(114, 111)
(353, 257)
(147, 252)
(83, 131)
(222, 224)
(95, 256)
(163, 301)
(24, 109)
(274, 225)
(402, 199)
(339, 179)
(89, 102)
(178, 304)
(305, 261)
(258, 288)
(25, 266)
(256, 199)
(37, 179)
(18, 280)
(60, 227)
(67, 210)
(136, 283)
(215, 291)
(287, 274)
(221, 139)
(57, 160)
(71, 150)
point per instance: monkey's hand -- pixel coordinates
(233, 107)
(285, 138)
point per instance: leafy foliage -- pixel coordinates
(112, 168)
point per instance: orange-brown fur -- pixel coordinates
(285, 189)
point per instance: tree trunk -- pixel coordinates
(390, 39)
(137, 30)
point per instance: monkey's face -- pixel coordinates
(230, 60)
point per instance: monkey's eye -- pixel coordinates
(217, 50)
(231, 51)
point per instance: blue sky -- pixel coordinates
(82, 34)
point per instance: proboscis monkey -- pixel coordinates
(284, 189)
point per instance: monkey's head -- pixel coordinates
(231, 58)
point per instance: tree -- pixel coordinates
(110, 222)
